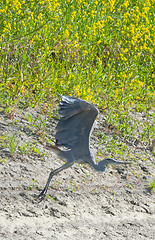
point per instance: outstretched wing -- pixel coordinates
(77, 118)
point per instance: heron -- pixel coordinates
(73, 131)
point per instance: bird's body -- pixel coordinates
(72, 132)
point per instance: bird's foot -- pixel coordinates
(42, 195)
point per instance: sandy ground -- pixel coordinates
(81, 203)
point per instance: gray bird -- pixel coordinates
(72, 132)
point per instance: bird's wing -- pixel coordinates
(77, 118)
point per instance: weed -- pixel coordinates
(3, 140)
(51, 198)
(3, 160)
(12, 143)
(30, 148)
(151, 186)
(114, 194)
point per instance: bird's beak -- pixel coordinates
(114, 161)
(120, 162)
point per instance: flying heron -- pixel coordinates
(72, 132)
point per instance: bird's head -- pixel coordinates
(103, 163)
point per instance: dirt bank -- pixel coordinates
(81, 203)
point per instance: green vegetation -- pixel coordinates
(12, 143)
(3, 160)
(51, 198)
(151, 186)
(9, 141)
(101, 51)
(30, 149)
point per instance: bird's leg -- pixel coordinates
(52, 173)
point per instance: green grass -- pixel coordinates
(12, 143)
(30, 149)
(151, 186)
(101, 51)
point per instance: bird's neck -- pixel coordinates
(97, 166)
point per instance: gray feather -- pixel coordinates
(77, 118)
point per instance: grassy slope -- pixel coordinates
(101, 51)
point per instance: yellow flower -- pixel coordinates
(66, 33)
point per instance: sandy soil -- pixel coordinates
(81, 203)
